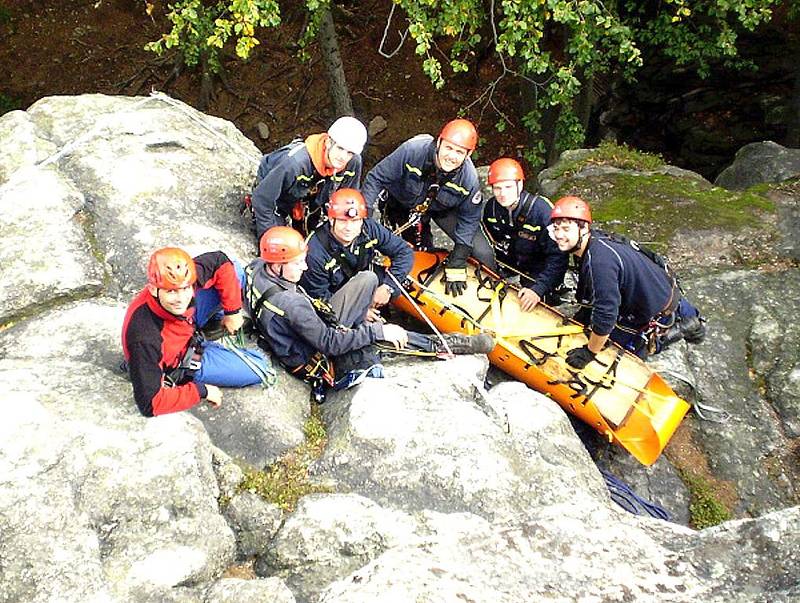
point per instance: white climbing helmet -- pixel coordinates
(349, 133)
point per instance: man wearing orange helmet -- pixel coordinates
(169, 364)
(627, 293)
(516, 223)
(341, 255)
(295, 181)
(426, 179)
(324, 347)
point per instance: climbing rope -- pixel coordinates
(235, 344)
(622, 494)
(705, 412)
(420, 312)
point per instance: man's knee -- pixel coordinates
(366, 278)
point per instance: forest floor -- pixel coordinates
(53, 47)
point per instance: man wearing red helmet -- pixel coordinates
(426, 179)
(627, 293)
(516, 223)
(341, 255)
(169, 364)
(324, 347)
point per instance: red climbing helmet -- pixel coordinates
(460, 132)
(347, 204)
(573, 208)
(281, 244)
(505, 169)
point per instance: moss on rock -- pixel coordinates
(705, 509)
(287, 480)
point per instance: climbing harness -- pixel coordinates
(190, 363)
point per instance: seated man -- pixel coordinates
(516, 223)
(295, 181)
(426, 179)
(341, 255)
(626, 295)
(303, 333)
(169, 364)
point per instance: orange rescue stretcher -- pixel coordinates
(617, 393)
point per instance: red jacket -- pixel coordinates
(154, 341)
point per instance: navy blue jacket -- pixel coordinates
(523, 241)
(290, 325)
(410, 170)
(325, 276)
(287, 175)
(620, 284)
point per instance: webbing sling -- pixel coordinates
(263, 299)
(524, 208)
(317, 368)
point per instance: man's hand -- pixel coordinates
(455, 281)
(233, 322)
(455, 271)
(381, 296)
(373, 315)
(214, 396)
(528, 299)
(396, 335)
(580, 357)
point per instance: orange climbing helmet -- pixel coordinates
(505, 169)
(281, 244)
(573, 208)
(171, 268)
(347, 204)
(460, 132)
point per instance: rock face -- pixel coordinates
(760, 162)
(439, 490)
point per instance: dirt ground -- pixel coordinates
(53, 47)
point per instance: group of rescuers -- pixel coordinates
(316, 302)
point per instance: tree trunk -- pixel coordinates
(793, 131)
(547, 130)
(586, 99)
(337, 83)
(206, 84)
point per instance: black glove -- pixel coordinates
(455, 281)
(455, 272)
(580, 357)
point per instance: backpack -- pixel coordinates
(656, 258)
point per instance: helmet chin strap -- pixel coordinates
(579, 242)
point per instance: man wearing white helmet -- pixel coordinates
(296, 180)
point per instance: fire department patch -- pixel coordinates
(477, 198)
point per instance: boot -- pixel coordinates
(465, 344)
(693, 329)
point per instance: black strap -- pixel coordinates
(259, 305)
(525, 207)
(348, 267)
